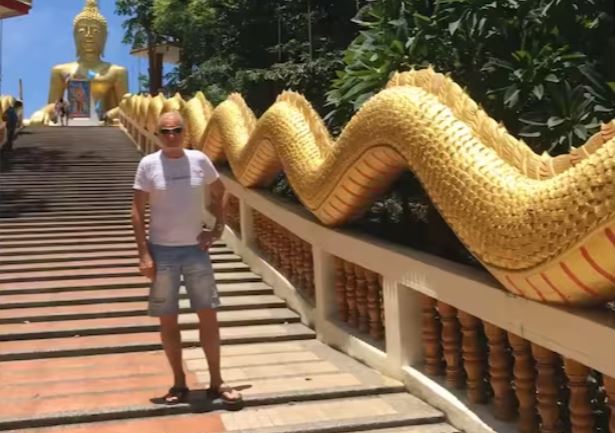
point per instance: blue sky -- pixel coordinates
(32, 44)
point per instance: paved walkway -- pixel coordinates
(79, 354)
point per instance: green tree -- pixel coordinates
(257, 48)
(139, 32)
(543, 67)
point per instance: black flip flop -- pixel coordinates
(217, 393)
(178, 394)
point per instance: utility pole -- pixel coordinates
(309, 22)
(279, 33)
(1, 44)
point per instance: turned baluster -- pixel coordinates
(547, 388)
(285, 254)
(473, 357)
(362, 299)
(297, 261)
(430, 333)
(351, 294)
(260, 235)
(281, 247)
(500, 373)
(609, 387)
(525, 383)
(266, 238)
(292, 260)
(380, 298)
(376, 324)
(257, 232)
(276, 245)
(340, 290)
(270, 240)
(308, 267)
(264, 235)
(581, 414)
(451, 342)
(270, 236)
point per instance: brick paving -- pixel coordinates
(80, 355)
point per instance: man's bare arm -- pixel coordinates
(216, 208)
(216, 205)
(139, 201)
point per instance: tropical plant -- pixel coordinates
(506, 53)
(139, 32)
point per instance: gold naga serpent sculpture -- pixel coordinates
(543, 226)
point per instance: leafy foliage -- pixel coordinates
(139, 32)
(541, 66)
(256, 48)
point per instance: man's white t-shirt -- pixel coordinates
(176, 195)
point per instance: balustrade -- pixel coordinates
(521, 380)
(231, 214)
(289, 254)
(544, 391)
(358, 294)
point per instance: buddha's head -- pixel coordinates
(90, 31)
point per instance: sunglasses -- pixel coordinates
(167, 131)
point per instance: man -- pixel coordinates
(173, 180)
(12, 119)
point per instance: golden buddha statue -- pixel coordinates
(108, 83)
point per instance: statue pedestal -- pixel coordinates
(82, 106)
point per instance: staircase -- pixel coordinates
(79, 354)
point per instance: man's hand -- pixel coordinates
(208, 237)
(147, 266)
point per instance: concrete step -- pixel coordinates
(63, 223)
(424, 428)
(105, 307)
(321, 416)
(125, 180)
(73, 210)
(44, 190)
(223, 259)
(144, 341)
(17, 215)
(100, 175)
(81, 272)
(127, 325)
(64, 197)
(67, 168)
(26, 232)
(71, 285)
(128, 244)
(92, 239)
(273, 375)
(69, 256)
(49, 203)
(97, 295)
(124, 158)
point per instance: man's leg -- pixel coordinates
(163, 303)
(171, 341)
(201, 287)
(9, 138)
(209, 334)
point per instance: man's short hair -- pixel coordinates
(174, 114)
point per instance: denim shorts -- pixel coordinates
(173, 264)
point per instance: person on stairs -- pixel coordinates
(11, 118)
(173, 181)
